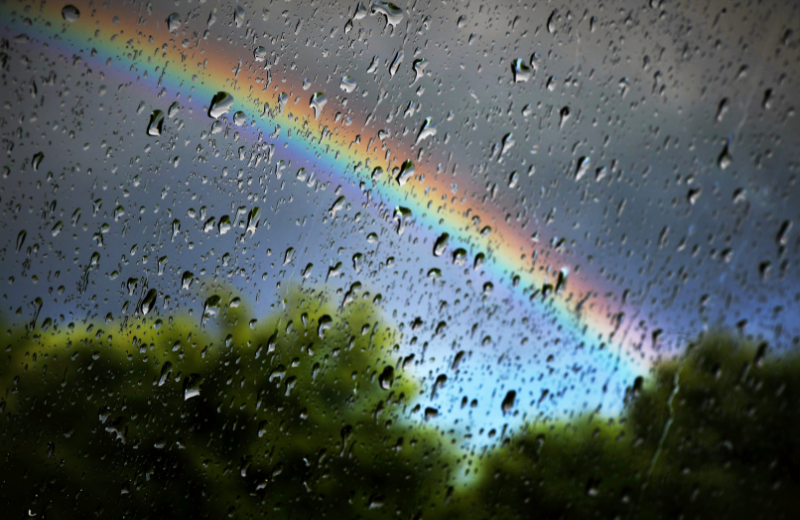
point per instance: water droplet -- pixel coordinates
(186, 280)
(460, 256)
(520, 70)
(398, 59)
(149, 302)
(431, 413)
(508, 401)
(462, 21)
(324, 324)
(211, 306)
(582, 167)
(513, 179)
(407, 171)
(221, 103)
(428, 129)
(386, 378)
(480, 258)
(419, 68)
(238, 118)
(173, 22)
(724, 160)
(563, 116)
(208, 225)
(224, 224)
(441, 244)
(260, 54)
(212, 18)
(347, 84)
(176, 228)
(21, 239)
(238, 16)
(508, 142)
(377, 172)
(361, 12)
(166, 369)
(283, 98)
(393, 13)
(191, 386)
(318, 102)
(156, 124)
(551, 22)
(401, 215)
(252, 220)
(723, 108)
(783, 233)
(288, 256)
(37, 159)
(70, 13)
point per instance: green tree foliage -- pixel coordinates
(295, 415)
(711, 435)
(304, 414)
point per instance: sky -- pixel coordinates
(649, 162)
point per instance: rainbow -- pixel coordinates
(122, 49)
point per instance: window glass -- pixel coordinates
(420, 260)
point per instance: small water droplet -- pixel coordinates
(260, 54)
(186, 280)
(21, 239)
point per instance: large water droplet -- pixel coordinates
(428, 129)
(398, 59)
(347, 84)
(318, 101)
(406, 172)
(173, 22)
(361, 11)
(70, 13)
(324, 324)
(582, 167)
(386, 378)
(419, 68)
(186, 280)
(508, 401)
(260, 54)
(521, 71)
(221, 103)
(37, 159)
(149, 301)
(441, 244)
(393, 13)
(238, 15)
(156, 124)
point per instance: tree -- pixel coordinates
(298, 414)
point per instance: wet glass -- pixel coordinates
(416, 260)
